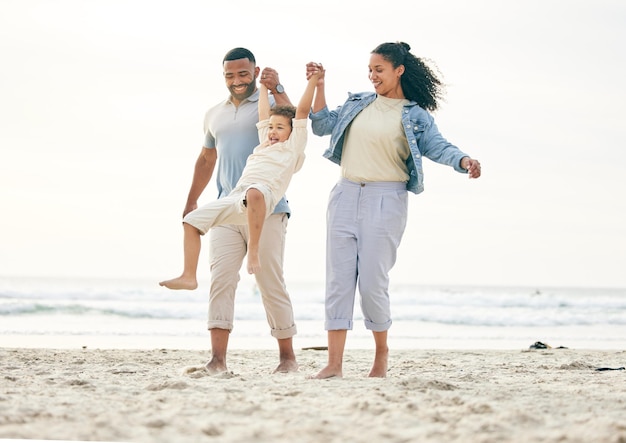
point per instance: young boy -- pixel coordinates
(263, 183)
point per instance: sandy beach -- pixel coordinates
(163, 395)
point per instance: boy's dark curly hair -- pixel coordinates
(419, 82)
(284, 110)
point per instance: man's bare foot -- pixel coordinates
(215, 366)
(327, 372)
(254, 265)
(180, 283)
(379, 368)
(286, 366)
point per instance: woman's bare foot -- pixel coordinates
(379, 368)
(180, 283)
(327, 372)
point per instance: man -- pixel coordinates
(230, 137)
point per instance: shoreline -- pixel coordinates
(356, 340)
(551, 395)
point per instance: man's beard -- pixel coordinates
(247, 93)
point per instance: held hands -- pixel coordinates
(269, 78)
(472, 166)
(315, 69)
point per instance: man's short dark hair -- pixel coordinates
(239, 53)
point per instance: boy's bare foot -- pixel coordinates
(254, 265)
(327, 372)
(180, 283)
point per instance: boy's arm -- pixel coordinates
(264, 103)
(320, 97)
(304, 106)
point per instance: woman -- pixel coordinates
(378, 138)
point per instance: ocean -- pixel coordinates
(93, 313)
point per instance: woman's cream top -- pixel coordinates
(376, 148)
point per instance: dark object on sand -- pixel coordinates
(611, 369)
(540, 345)
(316, 348)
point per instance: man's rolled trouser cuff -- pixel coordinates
(284, 333)
(217, 324)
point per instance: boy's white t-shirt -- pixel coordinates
(274, 165)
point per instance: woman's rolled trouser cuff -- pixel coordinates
(377, 327)
(338, 325)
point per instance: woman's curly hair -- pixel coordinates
(419, 82)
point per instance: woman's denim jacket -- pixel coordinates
(419, 127)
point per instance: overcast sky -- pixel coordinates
(102, 103)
